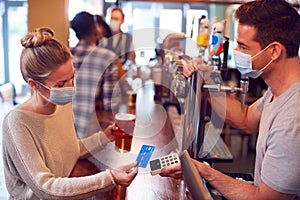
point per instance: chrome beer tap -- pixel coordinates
(244, 89)
(220, 72)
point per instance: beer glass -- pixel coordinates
(123, 136)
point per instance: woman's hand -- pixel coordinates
(110, 132)
(125, 175)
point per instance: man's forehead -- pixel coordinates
(117, 13)
(246, 31)
(245, 34)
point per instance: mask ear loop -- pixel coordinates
(267, 65)
(260, 52)
(43, 85)
(45, 98)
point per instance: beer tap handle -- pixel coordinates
(244, 89)
(225, 58)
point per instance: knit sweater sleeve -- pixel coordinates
(92, 144)
(27, 168)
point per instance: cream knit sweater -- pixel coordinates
(39, 152)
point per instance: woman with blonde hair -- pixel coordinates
(40, 147)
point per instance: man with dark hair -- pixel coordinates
(268, 38)
(82, 25)
(96, 75)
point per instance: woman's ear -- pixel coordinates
(32, 83)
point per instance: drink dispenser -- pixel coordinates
(196, 104)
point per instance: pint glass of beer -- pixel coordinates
(126, 123)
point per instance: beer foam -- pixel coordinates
(124, 116)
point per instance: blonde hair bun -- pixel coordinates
(37, 37)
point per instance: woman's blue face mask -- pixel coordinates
(60, 96)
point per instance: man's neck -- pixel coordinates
(117, 32)
(89, 40)
(284, 75)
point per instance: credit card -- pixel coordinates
(145, 155)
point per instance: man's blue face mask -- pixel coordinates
(243, 63)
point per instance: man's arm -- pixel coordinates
(110, 87)
(129, 47)
(246, 120)
(131, 56)
(237, 189)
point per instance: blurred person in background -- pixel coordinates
(122, 42)
(116, 78)
(104, 32)
(96, 75)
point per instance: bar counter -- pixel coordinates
(153, 127)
